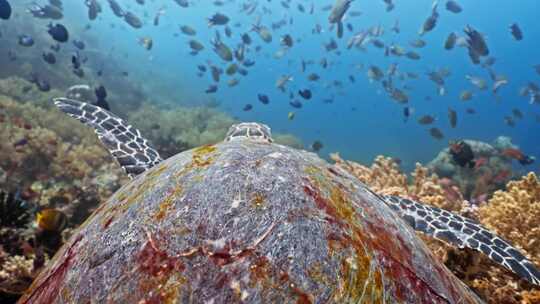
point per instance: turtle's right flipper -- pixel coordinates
(463, 232)
(123, 141)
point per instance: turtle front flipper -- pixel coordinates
(463, 232)
(123, 141)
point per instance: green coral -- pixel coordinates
(41, 145)
(181, 128)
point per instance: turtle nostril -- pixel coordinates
(255, 133)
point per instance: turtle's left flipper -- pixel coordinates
(463, 232)
(123, 141)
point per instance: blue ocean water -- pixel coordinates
(376, 125)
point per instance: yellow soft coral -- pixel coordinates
(515, 214)
(384, 177)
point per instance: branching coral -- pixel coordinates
(15, 273)
(384, 177)
(42, 145)
(515, 214)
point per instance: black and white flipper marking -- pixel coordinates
(123, 141)
(463, 232)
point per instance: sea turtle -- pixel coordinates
(251, 221)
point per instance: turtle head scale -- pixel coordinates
(249, 130)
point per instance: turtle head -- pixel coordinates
(249, 130)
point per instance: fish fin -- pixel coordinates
(124, 142)
(463, 232)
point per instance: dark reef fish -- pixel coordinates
(158, 15)
(46, 12)
(406, 114)
(188, 30)
(286, 40)
(195, 45)
(133, 20)
(317, 146)
(76, 60)
(436, 133)
(336, 14)
(247, 107)
(462, 153)
(221, 49)
(452, 117)
(218, 19)
(431, 21)
(295, 104)
(476, 42)
(246, 39)
(211, 89)
(79, 44)
(5, 9)
(263, 32)
(42, 84)
(263, 98)
(182, 3)
(115, 7)
(450, 41)
(25, 40)
(94, 8)
(306, 94)
(58, 32)
(101, 95)
(49, 57)
(453, 6)
(389, 5)
(339, 9)
(516, 32)
(426, 120)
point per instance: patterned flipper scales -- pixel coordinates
(463, 232)
(123, 141)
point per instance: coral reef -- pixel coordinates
(385, 177)
(514, 214)
(491, 172)
(41, 149)
(177, 129)
(47, 161)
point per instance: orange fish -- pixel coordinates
(51, 220)
(513, 153)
